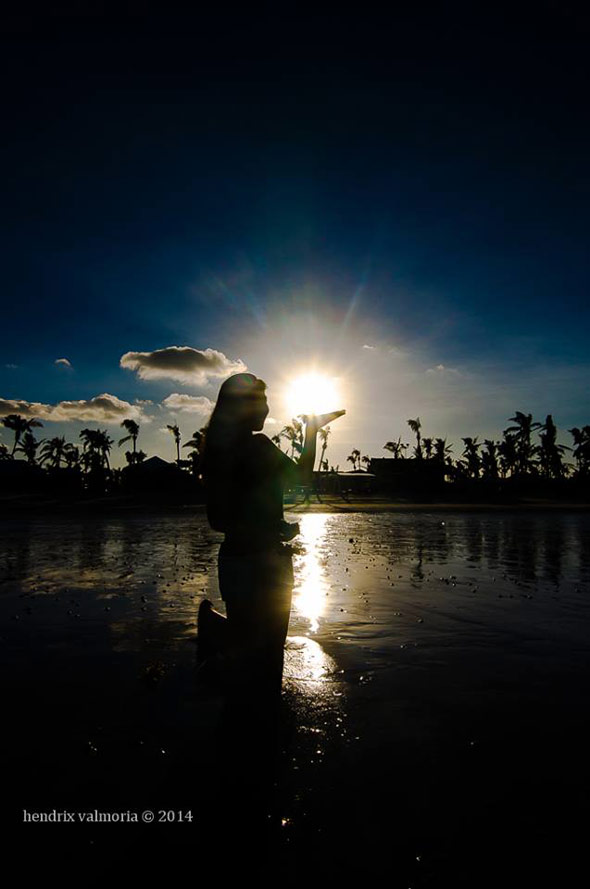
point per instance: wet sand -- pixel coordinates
(432, 729)
(32, 505)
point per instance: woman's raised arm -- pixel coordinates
(302, 472)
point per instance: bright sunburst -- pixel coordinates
(312, 393)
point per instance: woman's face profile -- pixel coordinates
(254, 412)
(260, 412)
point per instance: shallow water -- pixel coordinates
(436, 678)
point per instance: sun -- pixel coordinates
(312, 393)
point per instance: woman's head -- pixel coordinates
(241, 403)
(241, 408)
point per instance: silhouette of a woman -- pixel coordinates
(245, 475)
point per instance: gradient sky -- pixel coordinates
(402, 203)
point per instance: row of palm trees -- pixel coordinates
(56, 453)
(515, 455)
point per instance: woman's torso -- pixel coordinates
(255, 509)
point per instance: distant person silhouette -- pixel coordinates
(245, 475)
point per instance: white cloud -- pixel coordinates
(183, 364)
(440, 368)
(399, 354)
(190, 404)
(63, 362)
(11, 365)
(102, 408)
(371, 348)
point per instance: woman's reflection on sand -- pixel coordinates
(261, 738)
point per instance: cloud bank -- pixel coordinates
(194, 367)
(102, 408)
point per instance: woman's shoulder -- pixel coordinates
(267, 451)
(260, 440)
(262, 447)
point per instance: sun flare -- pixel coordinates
(312, 393)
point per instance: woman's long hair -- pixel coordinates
(225, 435)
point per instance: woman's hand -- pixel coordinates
(289, 530)
(313, 422)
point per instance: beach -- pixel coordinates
(432, 728)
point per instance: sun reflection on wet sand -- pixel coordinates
(306, 661)
(310, 586)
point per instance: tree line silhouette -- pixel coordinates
(515, 456)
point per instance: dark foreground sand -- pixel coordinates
(433, 726)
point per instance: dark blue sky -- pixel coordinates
(418, 182)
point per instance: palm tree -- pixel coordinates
(294, 435)
(133, 429)
(441, 456)
(97, 444)
(54, 451)
(105, 443)
(396, 448)
(581, 451)
(277, 440)
(288, 432)
(198, 440)
(427, 442)
(551, 453)
(299, 433)
(489, 460)
(415, 426)
(508, 455)
(176, 433)
(133, 459)
(95, 456)
(29, 447)
(353, 458)
(19, 425)
(197, 443)
(525, 449)
(473, 460)
(324, 433)
(88, 459)
(367, 461)
(442, 450)
(4, 455)
(71, 455)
